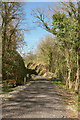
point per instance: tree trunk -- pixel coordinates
(68, 82)
(77, 78)
(4, 29)
(69, 69)
(69, 79)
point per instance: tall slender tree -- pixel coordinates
(65, 26)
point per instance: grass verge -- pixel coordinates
(69, 98)
(6, 89)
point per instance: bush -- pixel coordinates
(13, 67)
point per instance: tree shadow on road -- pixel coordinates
(40, 98)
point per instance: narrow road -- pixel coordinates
(39, 100)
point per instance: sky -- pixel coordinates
(32, 37)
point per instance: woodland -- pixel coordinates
(58, 53)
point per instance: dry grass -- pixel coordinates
(70, 100)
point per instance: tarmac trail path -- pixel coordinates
(38, 100)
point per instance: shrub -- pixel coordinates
(13, 67)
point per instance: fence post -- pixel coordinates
(27, 77)
(24, 80)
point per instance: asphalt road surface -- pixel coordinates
(38, 100)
